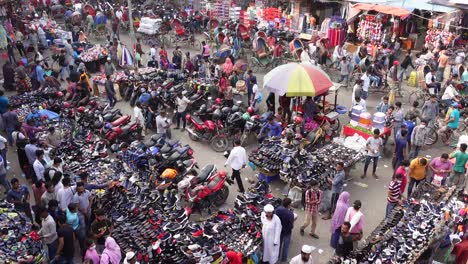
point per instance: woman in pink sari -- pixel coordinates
(228, 67)
(355, 217)
(340, 212)
(111, 254)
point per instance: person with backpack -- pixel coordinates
(50, 172)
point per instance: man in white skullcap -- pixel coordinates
(304, 257)
(130, 258)
(271, 232)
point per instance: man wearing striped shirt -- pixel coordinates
(394, 194)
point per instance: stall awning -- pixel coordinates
(390, 10)
(410, 5)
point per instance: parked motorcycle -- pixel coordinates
(125, 133)
(208, 130)
(208, 188)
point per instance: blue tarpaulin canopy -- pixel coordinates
(411, 4)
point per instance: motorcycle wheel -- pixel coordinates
(192, 137)
(219, 144)
(221, 196)
(335, 126)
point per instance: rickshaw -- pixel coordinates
(89, 9)
(182, 36)
(100, 25)
(262, 57)
(177, 23)
(222, 53)
(57, 11)
(296, 46)
(243, 32)
(212, 24)
(219, 39)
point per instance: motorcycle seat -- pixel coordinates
(175, 156)
(197, 120)
(212, 184)
(166, 148)
(110, 116)
(119, 120)
(172, 142)
(194, 97)
(128, 126)
(205, 173)
(111, 111)
(156, 137)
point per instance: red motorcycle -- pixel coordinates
(208, 130)
(208, 188)
(127, 132)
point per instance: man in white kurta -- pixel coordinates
(271, 231)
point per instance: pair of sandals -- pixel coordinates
(310, 234)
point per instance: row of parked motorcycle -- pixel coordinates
(209, 119)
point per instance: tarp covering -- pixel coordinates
(390, 10)
(410, 5)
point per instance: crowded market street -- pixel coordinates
(147, 189)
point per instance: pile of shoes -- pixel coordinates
(298, 165)
(38, 96)
(155, 225)
(408, 231)
(271, 153)
(18, 244)
(89, 158)
(333, 153)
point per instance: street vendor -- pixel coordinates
(274, 129)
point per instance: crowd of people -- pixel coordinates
(62, 209)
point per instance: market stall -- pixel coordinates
(300, 162)
(94, 57)
(410, 230)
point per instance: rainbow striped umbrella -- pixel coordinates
(297, 79)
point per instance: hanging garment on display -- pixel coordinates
(370, 30)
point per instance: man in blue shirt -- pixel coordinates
(337, 184)
(452, 124)
(400, 149)
(19, 196)
(410, 124)
(286, 217)
(274, 128)
(4, 102)
(40, 73)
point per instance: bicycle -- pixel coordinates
(419, 95)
